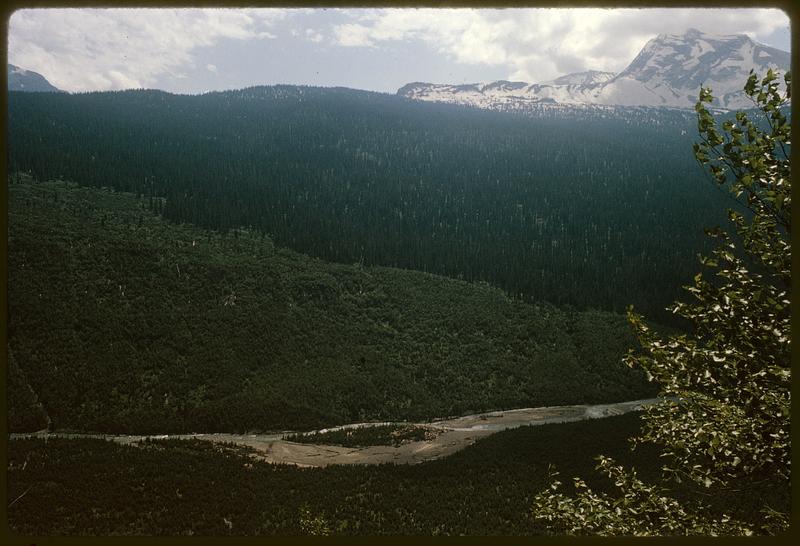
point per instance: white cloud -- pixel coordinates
(313, 35)
(353, 35)
(88, 49)
(122, 81)
(539, 44)
(211, 68)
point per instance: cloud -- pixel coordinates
(353, 35)
(89, 49)
(211, 68)
(313, 35)
(539, 44)
(123, 81)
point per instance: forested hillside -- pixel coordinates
(570, 206)
(123, 322)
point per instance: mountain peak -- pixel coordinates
(20, 79)
(668, 71)
(686, 61)
(693, 34)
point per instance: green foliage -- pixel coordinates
(25, 412)
(729, 381)
(372, 435)
(641, 509)
(593, 218)
(123, 322)
(732, 377)
(313, 524)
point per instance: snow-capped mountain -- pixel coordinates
(668, 71)
(20, 79)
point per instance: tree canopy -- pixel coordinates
(123, 322)
(588, 219)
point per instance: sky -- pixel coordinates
(200, 50)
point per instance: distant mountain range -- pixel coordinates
(20, 79)
(667, 72)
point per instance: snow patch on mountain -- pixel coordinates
(589, 77)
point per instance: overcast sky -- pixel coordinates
(193, 50)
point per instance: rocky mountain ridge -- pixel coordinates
(667, 72)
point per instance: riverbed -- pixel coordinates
(454, 434)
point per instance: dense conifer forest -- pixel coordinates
(570, 206)
(124, 322)
(291, 258)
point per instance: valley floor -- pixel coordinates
(457, 433)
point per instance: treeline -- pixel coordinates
(95, 487)
(122, 322)
(570, 206)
